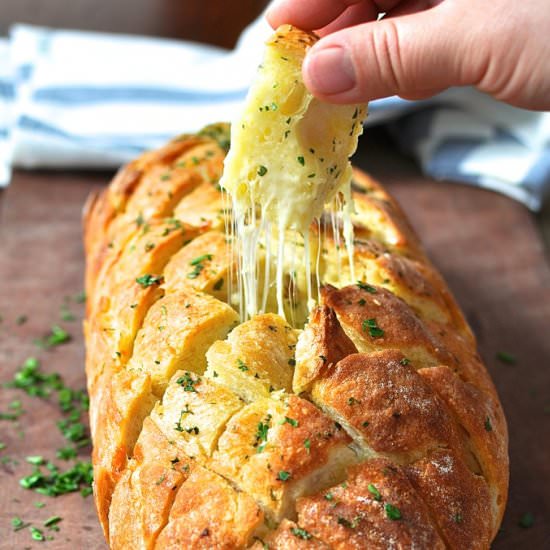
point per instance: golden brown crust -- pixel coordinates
(199, 440)
(151, 481)
(209, 514)
(217, 263)
(480, 415)
(290, 536)
(322, 344)
(382, 398)
(456, 497)
(292, 39)
(376, 508)
(376, 319)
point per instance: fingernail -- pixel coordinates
(330, 70)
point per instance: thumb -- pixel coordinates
(412, 56)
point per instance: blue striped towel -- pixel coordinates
(88, 100)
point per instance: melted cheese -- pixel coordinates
(288, 164)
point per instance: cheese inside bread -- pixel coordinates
(287, 165)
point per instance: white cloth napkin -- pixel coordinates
(89, 100)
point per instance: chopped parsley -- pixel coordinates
(36, 460)
(347, 523)
(291, 421)
(364, 286)
(73, 431)
(149, 280)
(198, 265)
(329, 496)
(374, 492)
(173, 224)
(352, 401)
(404, 361)
(505, 357)
(66, 453)
(527, 520)
(261, 434)
(262, 170)
(218, 284)
(37, 534)
(57, 482)
(52, 521)
(17, 523)
(301, 160)
(300, 533)
(30, 379)
(201, 259)
(307, 444)
(241, 365)
(16, 411)
(56, 337)
(188, 383)
(488, 425)
(372, 327)
(283, 475)
(66, 314)
(72, 403)
(80, 298)
(196, 272)
(392, 512)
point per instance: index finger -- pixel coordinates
(315, 14)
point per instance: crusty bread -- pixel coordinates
(358, 422)
(376, 426)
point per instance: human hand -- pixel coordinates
(422, 47)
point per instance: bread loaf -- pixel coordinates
(375, 425)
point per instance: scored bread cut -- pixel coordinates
(374, 424)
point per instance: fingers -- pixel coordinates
(316, 14)
(406, 7)
(406, 56)
(354, 15)
(307, 14)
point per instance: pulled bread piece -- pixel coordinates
(374, 425)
